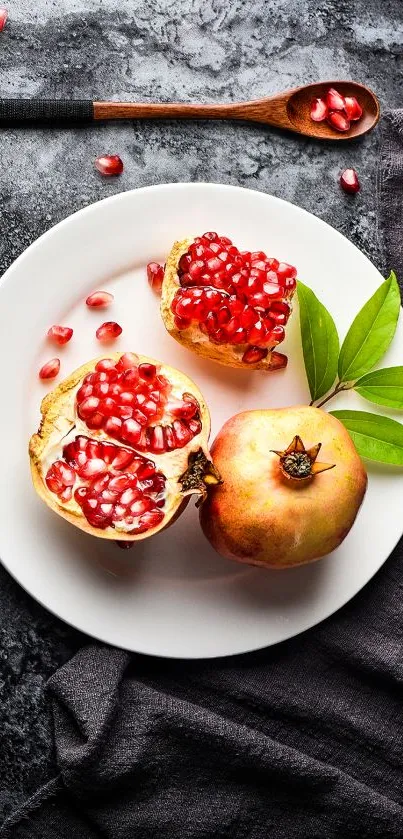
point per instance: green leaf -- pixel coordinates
(371, 332)
(384, 387)
(375, 437)
(320, 342)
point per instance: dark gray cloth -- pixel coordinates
(300, 741)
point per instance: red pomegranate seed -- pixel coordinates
(254, 354)
(155, 276)
(352, 108)
(108, 331)
(50, 369)
(278, 361)
(92, 468)
(349, 181)
(151, 519)
(60, 334)
(334, 100)
(127, 361)
(147, 371)
(3, 18)
(318, 110)
(99, 299)
(338, 121)
(109, 164)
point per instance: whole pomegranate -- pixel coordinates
(228, 305)
(278, 506)
(121, 446)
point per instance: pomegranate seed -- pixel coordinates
(284, 270)
(147, 371)
(131, 431)
(318, 110)
(276, 336)
(105, 365)
(352, 108)
(128, 361)
(95, 420)
(109, 164)
(60, 334)
(184, 263)
(67, 474)
(169, 437)
(349, 181)
(88, 406)
(211, 237)
(334, 100)
(155, 276)
(182, 433)
(108, 331)
(99, 299)
(254, 354)
(50, 369)
(278, 361)
(92, 468)
(338, 121)
(156, 439)
(290, 285)
(3, 18)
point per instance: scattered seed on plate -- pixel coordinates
(50, 369)
(60, 334)
(108, 331)
(99, 300)
(155, 276)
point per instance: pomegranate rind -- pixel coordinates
(258, 517)
(192, 338)
(58, 418)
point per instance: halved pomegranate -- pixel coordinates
(121, 447)
(227, 305)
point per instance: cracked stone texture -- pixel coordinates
(189, 50)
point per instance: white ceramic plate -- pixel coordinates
(172, 595)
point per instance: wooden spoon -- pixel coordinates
(289, 110)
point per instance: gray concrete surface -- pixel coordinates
(160, 49)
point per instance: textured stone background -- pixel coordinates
(166, 49)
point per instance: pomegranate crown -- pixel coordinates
(300, 464)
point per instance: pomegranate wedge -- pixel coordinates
(225, 304)
(121, 447)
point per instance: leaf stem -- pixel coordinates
(338, 389)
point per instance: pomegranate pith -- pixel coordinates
(222, 302)
(86, 461)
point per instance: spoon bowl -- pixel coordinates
(299, 109)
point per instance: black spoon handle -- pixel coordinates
(50, 112)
